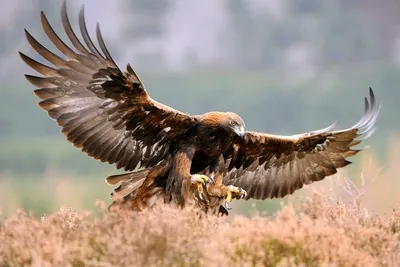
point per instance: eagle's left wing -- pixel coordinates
(269, 166)
(105, 112)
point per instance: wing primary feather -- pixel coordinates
(41, 82)
(365, 115)
(103, 46)
(85, 34)
(90, 98)
(369, 124)
(372, 97)
(324, 130)
(69, 31)
(368, 134)
(54, 38)
(39, 67)
(44, 52)
(317, 154)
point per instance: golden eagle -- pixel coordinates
(170, 155)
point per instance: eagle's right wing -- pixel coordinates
(269, 166)
(103, 111)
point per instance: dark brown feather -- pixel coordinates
(103, 111)
(295, 160)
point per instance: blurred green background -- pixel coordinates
(286, 66)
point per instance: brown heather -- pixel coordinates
(322, 232)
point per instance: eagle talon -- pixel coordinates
(201, 196)
(226, 205)
(234, 192)
(211, 177)
(200, 180)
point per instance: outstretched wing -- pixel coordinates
(102, 110)
(269, 166)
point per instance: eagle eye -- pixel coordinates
(233, 123)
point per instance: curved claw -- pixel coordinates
(200, 180)
(200, 191)
(244, 195)
(203, 199)
(211, 177)
(227, 206)
(234, 192)
(201, 196)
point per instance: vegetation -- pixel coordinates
(320, 232)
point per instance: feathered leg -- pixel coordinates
(226, 192)
(181, 184)
(217, 192)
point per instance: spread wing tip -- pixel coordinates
(367, 125)
(85, 34)
(103, 47)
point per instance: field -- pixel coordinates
(336, 222)
(323, 233)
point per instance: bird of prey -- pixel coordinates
(168, 155)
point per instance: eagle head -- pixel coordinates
(234, 123)
(229, 121)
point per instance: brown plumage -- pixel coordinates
(108, 114)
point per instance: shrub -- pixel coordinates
(322, 232)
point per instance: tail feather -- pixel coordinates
(139, 189)
(129, 183)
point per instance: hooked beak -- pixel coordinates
(239, 131)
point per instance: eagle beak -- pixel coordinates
(239, 131)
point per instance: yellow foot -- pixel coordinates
(234, 192)
(199, 180)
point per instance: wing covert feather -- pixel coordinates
(102, 110)
(280, 165)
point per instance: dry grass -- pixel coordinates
(322, 232)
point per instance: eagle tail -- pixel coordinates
(125, 193)
(128, 183)
(139, 189)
